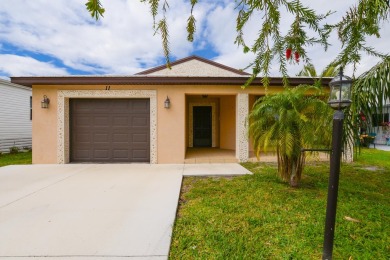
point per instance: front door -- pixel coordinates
(202, 126)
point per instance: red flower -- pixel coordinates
(288, 53)
(296, 55)
(362, 116)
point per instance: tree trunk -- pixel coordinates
(290, 168)
(294, 180)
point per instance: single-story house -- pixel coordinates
(15, 116)
(157, 116)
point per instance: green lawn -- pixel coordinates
(19, 158)
(260, 217)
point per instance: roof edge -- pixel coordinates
(194, 57)
(15, 85)
(157, 80)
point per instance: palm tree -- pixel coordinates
(288, 121)
(310, 71)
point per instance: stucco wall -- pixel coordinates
(171, 126)
(44, 127)
(228, 122)
(171, 123)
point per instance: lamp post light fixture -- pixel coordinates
(340, 91)
(45, 102)
(340, 98)
(167, 103)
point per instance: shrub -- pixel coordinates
(13, 150)
(27, 148)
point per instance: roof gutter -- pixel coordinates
(156, 80)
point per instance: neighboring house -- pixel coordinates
(15, 116)
(125, 119)
(381, 124)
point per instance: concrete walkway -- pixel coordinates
(381, 147)
(93, 210)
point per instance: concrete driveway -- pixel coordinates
(92, 211)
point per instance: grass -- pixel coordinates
(18, 158)
(260, 217)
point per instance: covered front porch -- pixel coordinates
(216, 128)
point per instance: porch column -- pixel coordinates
(242, 144)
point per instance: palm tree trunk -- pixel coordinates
(294, 181)
(290, 169)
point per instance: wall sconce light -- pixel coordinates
(45, 102)
(167, 103)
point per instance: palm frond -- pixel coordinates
(370, 93)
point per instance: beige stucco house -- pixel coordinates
(123, 119)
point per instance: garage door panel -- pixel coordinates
(120, 138)
(139, 138)
(83, 137)
(139, 106)
(121, 154)
(101, 137)
(83, 121)
(83, 154)
(139, 146)
(139, 122)
(140, 154)
(110, 130)
(103, 121)
(83, 107)
(98, 105)
(101, 153)
(120, 120)
(121, 105)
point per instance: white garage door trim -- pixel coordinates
(63, 116)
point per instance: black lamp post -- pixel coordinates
(340, 98)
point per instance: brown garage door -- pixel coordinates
(109, 130)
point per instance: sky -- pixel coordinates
(59, 38)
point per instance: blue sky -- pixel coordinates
(59, 37)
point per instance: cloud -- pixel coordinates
(220, 32)
(120, 43)
(123, 42)
(26, 66)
